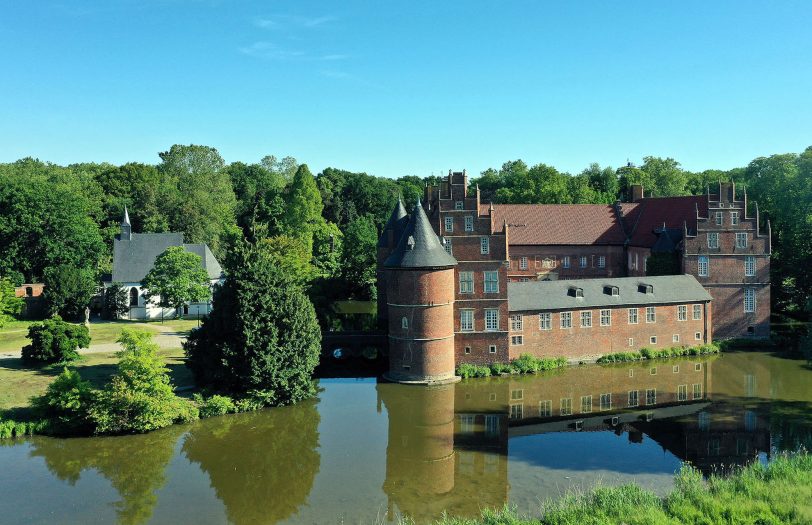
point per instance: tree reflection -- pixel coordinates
(134, 465)
(261, 465)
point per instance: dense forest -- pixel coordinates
(57, 222)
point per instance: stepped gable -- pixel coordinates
(396, 223)
(560, 224)
(651, 214)
(419, 246)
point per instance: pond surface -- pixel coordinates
(367, 453)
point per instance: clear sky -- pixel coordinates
(409, 87)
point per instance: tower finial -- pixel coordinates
(126, 219)
(126, 228)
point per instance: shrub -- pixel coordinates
(467, 371)
(139, 398)
(66, 404)
(215, 405)
(648, 353)
(54, 340)
(501, 368)
(10, 428)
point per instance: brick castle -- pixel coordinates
(463, 282)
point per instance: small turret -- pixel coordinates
(126, 227)
(389, 238)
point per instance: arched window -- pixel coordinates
(404, 323)
(133, 296)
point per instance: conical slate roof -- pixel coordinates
(419, 246)
(126, 220)
(397, 221)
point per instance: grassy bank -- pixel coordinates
(780, 493)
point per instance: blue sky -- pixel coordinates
(406, 88)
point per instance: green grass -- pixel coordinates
(780, 493)
(18, 383)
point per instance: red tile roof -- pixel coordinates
(559, 224)
(646, 215)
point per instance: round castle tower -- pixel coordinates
(420, 305)
(386, 244)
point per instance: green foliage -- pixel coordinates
(304, 207)
(178, 276)
(116, 301)
(358, 260)
(54, 340)
(467, 371)
(139, 397)
(66, 404)
(663, 264)
(649, 353)
(501, 368)
(291, 256)
(261, 336)
(528, 364)
(215, 405)
(68, 290)
(10, 428)
(10, 304)
(328, 242)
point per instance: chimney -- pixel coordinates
(636, 192)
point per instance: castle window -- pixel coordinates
(719, 218)
(749, 300)
(546, 408)
(651, 314)
(632, 316)
(466, 282)
(466, 320)
(741, 240)
(492, 349)
(492, 282)
(404, 323)
(566, 320)
(682, 392)
(586, 404)
(565, 261)
(586, 319)
(734, 218)
(133, 296)
(675, 338)
(606, 317)
(491, 320)
(697, 390)
(516, 411)
(469, 223)
(633, 398)
(698, 367)
(682, 313)
(458, 205)
(697, 312)
(702, 266)
(698, 336)
(467, 349)
(484, 246)
(606, 401)
(545, 321)
(523, 263)
(517, 340)
(566, 406)
(653, 340)
(631, 341)
(582, 261)
(651, 396)
(601, 262)
(447, 244)
(516, 323)
(749, 266)
(713, 240)
(449, 224)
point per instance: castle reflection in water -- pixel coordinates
(445, 442)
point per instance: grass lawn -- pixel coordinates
(19, 383)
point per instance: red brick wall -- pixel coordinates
(586, 343)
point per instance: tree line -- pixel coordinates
(57, 222)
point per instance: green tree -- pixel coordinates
(139, 397)
(604, 181)
(54, 340)
(327, 249)
(10, 304)
(262, 334)
(259, 194)
(177, 277)
(66, 404)
(667, 176)
(291, 257)
(358, 260)
(116, 302)
(303, 214)
(68, 290)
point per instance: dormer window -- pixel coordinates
(647, 289)
(576, 292)
(614, 291)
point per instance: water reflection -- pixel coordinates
(261, 465)
(455, 449)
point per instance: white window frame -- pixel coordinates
(720, 218)
(447, 245)
(634, 315)
(697, 312)
(749, 266)
(682, 312)
(466, 320)
(566, 406)
(484, 245)
(469, 223)
(749, 300)
(703, 265)
(565, 320)
(698, 336)
(652, 341)
(606, 317)
(682, 392)
(565, 261)
(491, 281)
(651, 396)
(466, 282)
(492, 349)
(516, 340)
(523, 263)
(459, 205)
(449, 223)
(741, 240)
(517, 322)
(546, 408)
(583, 262)
(634, 398)
(586, 318)
(606, 401)
(491, 319)
(713, 240)
(545, 321)
(651, 314)
(675, 338)
(734, 218)
(586, 404)
(601, 261)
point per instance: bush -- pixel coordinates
(10, 428)
(215, 405)
(66, 404)
(467, 371)
(54, 340)
(648, 353)
(139, 398)
(501, 368)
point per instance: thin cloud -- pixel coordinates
(334, 57)
(269, 51)
(291, 21)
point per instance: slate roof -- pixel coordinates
(647, 215)
(419, 246)
(396, 223)
(134, 258)
(667, 240)
(560, 224)
(557, 295)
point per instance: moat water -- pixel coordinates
(365, 452)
